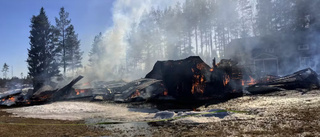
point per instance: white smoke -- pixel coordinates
(114, 43)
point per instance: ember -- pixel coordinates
(251, 82)
(198, 83)
(79, 91)
(12, 99)
(226, 80)
(136, 94)
(165, 93)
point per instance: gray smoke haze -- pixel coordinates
(145, 31)
(285, 37)
(114, 40)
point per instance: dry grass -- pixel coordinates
(44, 128)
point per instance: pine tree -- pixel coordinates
(73, 54)
(96, 51)
(5, 70)
(62, 23)
(41, 60)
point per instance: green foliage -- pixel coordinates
(62, 23)
(42, 63)
(69, 44)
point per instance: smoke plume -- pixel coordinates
(114, 42)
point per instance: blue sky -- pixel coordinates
(89, 17)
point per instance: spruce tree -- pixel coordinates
(73, 55)
(41, 60)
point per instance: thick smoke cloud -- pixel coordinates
(114, 40)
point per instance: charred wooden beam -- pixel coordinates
(9, 93)
(62, 92)
(305, 79)
(140, 90)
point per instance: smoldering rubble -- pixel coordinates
(189, 82)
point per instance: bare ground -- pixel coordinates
(285, 113)
(31, 127)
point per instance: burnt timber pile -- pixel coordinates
(303, 79)
(192, 79)
(187, 81)
(42, 95)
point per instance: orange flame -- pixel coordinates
(80, 91)
(28, 102)
(198, 81)
(137, 93)
(252, 81)
(77, 91)
(12, 99)
(165, 93)
(242, 82)
(226, 80)
(198, 84)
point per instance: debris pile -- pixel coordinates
(44, 94)
(303, 79)
(188, 81)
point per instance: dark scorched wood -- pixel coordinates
(192, 79)
(303, 79)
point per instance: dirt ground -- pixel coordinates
(285, 113)
(32, 127)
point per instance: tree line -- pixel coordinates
(52, 47)
(194, 27)
(205, 27)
